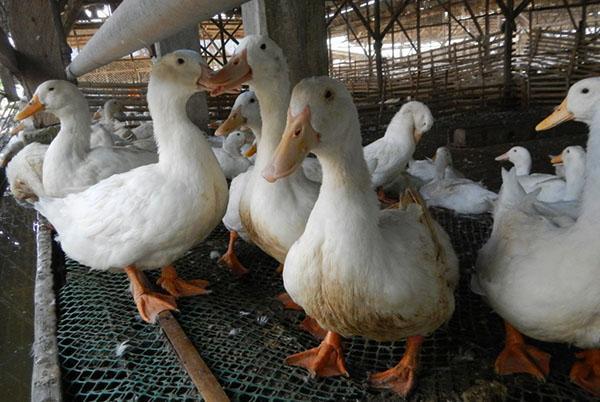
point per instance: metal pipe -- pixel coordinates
(139, 23)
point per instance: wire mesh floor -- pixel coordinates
(243, 334)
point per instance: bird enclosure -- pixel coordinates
(489, 70)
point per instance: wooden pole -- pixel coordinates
(509, 27)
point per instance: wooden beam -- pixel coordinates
(38, 35)
(8, 55)
(449, 11)
(566, 3)
(394, 17)
(521, 7)
(336, 13)
(70, 14)
(362, 18)
(473, 18)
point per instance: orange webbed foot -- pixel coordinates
(311, 326)
(401, 378)
(288, 303)
(230, 260)
(519, 357)
(586, 371)
(326, 360)
(150, 304)
(384, 199)
(178, 287)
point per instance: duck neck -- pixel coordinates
(523, 167)
(73, 139)
(575, 178)
(590, 207)
(346, 188)
(274, 98)
(440, 165)
(182, 147)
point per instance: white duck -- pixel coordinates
(388, 157)
(24, 172)
(358, 270)
(70, 164)
(544, 280)
(424, 170)
(244, 113)
(274, 216)
(230, 156)
(150, 216)
(108, 131)
(549, 185)
(461, 195)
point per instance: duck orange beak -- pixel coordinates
(236, 72)
(251, 151)
(417, 135)
(503, 157)
(17, 129)
(556, 160)
(234, 121)
(204, 81)
(560, 115)
(297, 141)
(34, 106)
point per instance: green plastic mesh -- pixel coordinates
(243, 334)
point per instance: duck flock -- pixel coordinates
(130, 202)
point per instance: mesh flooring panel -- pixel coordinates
(243, 334)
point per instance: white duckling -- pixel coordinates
(230, 157)
(244, 113)
(358, 270)
(113, 224)
(70, 164)
(544, 280)
(549, 185)
(424, 170)
(274, 216)
(461, 195)
(388, 157)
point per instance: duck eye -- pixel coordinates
(585, 90)
(328, 94)
(180, 61)
(263, 46)
(51, 89)
(514, 150)
(252, 100)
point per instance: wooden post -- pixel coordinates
(509, 27)
(40, 41)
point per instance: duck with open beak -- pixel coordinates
(298, 139)
(231, 77)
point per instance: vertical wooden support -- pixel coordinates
(509, 27)
(40, 41)
(378, 44)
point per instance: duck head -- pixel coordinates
(113, 108)
(443, 156)
(422, 118)
(184, 70)
(519, 157)
(58, 97)
(580, 104)
(244, 113)
(234, 142)
(256, 60)
(572, 157)
(319, 120)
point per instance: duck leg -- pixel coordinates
(326, 360)
(230, 258)
(178, 287)
(288, 303)
(586, 371)
(311, 326)
(383, 198)
(401, 378)
(518, 357)
(149, 304)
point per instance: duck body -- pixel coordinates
(461, 195)
(25, 172)
(424, 170)
(527, 277)
(149, 216)
(229, 156)
(362, 288)
(543, 279)
(70, 164)
(388, 156)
